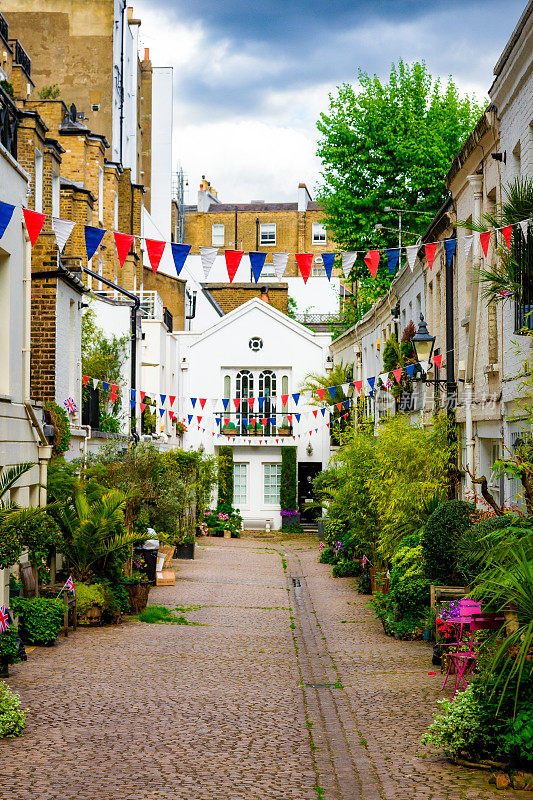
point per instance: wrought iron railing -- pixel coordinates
(4, 29)
(319, 319)
(523, 252)
(256, 423)
(22, 58)
(168, 319)
(8, 123)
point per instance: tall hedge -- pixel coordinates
(225, 475)
(288, 499)
(441, 535)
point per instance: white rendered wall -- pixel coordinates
(68, 381)
(161, 188)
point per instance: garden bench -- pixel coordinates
(258, 524)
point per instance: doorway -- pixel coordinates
(307, 471)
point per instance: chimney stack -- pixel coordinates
(264, 294)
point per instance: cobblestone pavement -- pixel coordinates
(236, 707)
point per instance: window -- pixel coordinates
(267, 233)
(5, 314)
(38, 181)
(244, 389)
(218, 235)
(318, 267)
(319, 235)
(239, 484)
(523, 253)
(227, 386)
(55, 193)
(268, 270)
(267, 389)
(116, 212)
(272, 484)
(100, 195)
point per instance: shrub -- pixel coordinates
(88, 595)
(287, 496)
(478, 539)
(519, 737)
(347, 569)
(327, 556)
(39, 534)
(12, 716)
(40, 618)
(60, 421)
(10, 546)
(440, 537)
(225, 475)
(8, 645)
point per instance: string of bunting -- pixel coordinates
(155, 248)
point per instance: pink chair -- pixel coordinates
(465, 663)
(467, 609)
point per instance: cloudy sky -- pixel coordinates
(251, 78)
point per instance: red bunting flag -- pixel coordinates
(358, 385)
(506, 233)
(171, 415)
(372, 261)
(199, 419)
(236, 403)
(34, 223)
(142, 407)
(114, 388)
(251, 401)
(142, 395)
(397, 374)
(226, 422)
(172, 397)
(202, 401)
(85, 380)
(233, 259)
(277, 441)
(123, 243)
(155, 251)
(289, 417)
(284, 399)
(315, 412)
(430, 249)
(339, 406)
(484, 238)
(305, 262)
(437, 360)
(320, 393)
(264, 421)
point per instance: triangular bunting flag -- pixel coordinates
(62, 229)
(305, 262)
(358, 385)
(85, 380)
(449, 249)
(218, 421)
(163, 398)
(199, 419)
(6, 212)
(279, 261)
(189, 417)
(202, 401)
(345, 387)
(34, 224)
(207, 257)
(506, 233)
(327, 261)
(225, 403)
(437, 360)
(233, 259)
(467, 244)
(397, 374)
(142, 395)
(133, 393)
(297, 417)
(484, 238)
(323, 411)
(348, 260)
(272, 420)
(320, 393)
(155, 249)
(410, 369)
(332, 390)
(236, 403)
(424, 366)
(114, 389)
(193, 401)
(226, 421)
(261, 401)
(264, 421)
(393, 255)
(339, 406)
(296, 397)
(123, 243)
(411, 253)
(93, 237)
(372, 261)
(524, 225)
(430, 249)
(371, 382)
(257, 262)
(251, 401)
(142, 406)
(95, 383)
(132, 404)
(105, 386)
(284, 399)
(171, 398)
(161, 412)
(179, 254)
(289, 417)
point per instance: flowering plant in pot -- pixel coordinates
(181, 428)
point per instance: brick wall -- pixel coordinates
(171, 291)
(232, 295)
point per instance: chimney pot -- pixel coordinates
(147, 54)
(264, 294)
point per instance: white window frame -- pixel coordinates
(218, 234)
(116, 211)
(39, 164)
(266, 229)
(242, 468)
(267, 471)
(319, 234)
(100, 195)
(318, 270)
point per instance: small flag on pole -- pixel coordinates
(69, 585)
(4, 619)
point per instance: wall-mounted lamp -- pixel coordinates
(309, 449)
(201, 447)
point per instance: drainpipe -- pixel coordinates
(26, 344)
(122, 78)
(134, 309)
(476, 182)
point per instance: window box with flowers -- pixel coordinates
(181, 428)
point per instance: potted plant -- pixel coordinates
(185, 546)
(40, 619)
(181, 428)
(137, 585)
(90, 603)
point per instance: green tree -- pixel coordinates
(225, 475)
(288, 499)
(388, 144)
(102, 358)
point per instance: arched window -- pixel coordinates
(244, 388)
(284, 408)
(267, 389)
(227, 386)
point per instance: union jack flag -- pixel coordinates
(4, 619)
(70, 585)
(365, 561)
(505, 293)
(70, 405)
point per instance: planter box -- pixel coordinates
(185, 550)
(92, 617)
(138, 596)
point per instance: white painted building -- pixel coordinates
(21, 435)
(254, 351)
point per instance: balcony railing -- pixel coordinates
(8, 123)
(4, 29)
(168, 319)
(22, 58)
(253, 424)
(152, 305)
(523, 252)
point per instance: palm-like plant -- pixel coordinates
(497, 281)
(341, 373)
(507, 582)
(12, 516)
(92, 531)
(8, 479)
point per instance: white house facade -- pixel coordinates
(255, 352)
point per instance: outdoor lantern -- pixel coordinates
(423, 342)
(309, 449)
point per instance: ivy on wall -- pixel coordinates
(225, 475)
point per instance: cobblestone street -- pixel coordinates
(287, 690)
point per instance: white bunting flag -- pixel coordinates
(411, 253)
(467, 245)
(424, 366)
(95, 383)
(348, 260)
(62, 229)
(279, 261)
(345, 387)
(524, 225)
(208, 255)
(214, 402)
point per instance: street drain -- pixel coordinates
(296, 582)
